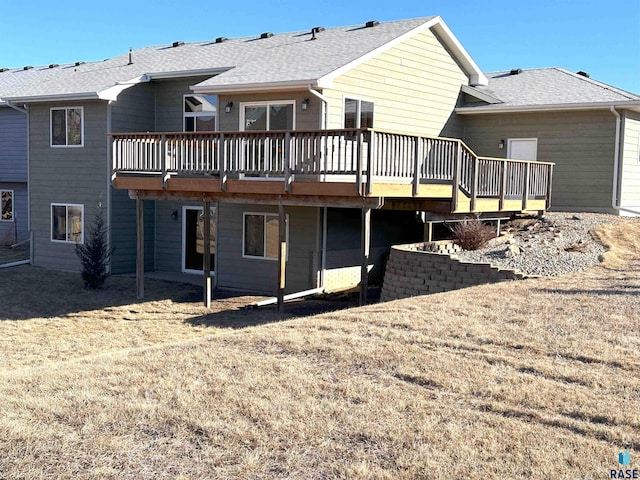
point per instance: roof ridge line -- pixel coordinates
(598, 83)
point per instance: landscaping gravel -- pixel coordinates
(556, 244)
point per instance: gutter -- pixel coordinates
(615, 197)
(554, 107)
(253, 87)
(53, 98)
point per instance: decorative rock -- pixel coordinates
(546, 254)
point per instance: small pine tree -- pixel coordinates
(94, 254)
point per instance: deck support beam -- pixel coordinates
(206, 255)
(282, 255)
(139, 248)
(365, 252)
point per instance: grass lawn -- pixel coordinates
(533, 379)
(10, 255)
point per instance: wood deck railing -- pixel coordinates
(358, 156)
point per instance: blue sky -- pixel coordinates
(600, 37)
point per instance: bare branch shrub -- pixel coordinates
(471, 234)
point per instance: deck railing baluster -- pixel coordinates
(344, 155)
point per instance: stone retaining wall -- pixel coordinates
(432, 267)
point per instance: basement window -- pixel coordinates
(67, 126)
(6, 205)
(67, 223)
(261, 235)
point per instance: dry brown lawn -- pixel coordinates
(534, 379)
(10, 255)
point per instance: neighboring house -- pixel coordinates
(590, 130)
(314, 148)
(14, 226)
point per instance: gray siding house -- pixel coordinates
(333, 142)
(156, 136)
(588, 129)
(14, 220)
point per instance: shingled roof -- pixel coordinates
(544, 87)
(276, 61)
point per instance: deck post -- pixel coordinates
(416, 166)
(503, 185)
(359, 162)
(365, 252)
(428, 231)
(525, 185)
(287, 162)
(139, 248)
(282, 255)
(457, 166)
(371, 150)
(206, 254)
(549, 182)
(163, 160)
(474, 183)
(222, 162)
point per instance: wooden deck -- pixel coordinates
(347, 167)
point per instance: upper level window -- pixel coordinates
(6, 205)
(358, 113)
(200, 113)
(267, 116)
(67, 125)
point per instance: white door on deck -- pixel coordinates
(522, 148)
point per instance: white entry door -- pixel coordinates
(522, 148)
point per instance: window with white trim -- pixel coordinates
(278, 115)
(358, 113)
(261, 235)
(6, 205)
(67, 127)
(200, 113)
(67, 223)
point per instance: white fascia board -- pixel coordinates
(476, 76)
(187, 73)
(255, 87)
(632, 105)
(442, 32)
(54, 98)
(485, 97)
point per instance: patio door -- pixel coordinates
(193, 239)
(265, 153)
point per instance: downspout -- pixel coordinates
(16, 107)
(323, 260)
(109, 181)
(324, 100)
(616, 167)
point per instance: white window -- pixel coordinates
(200, 113)
(522, 148)
(358, 113)
(67, 223)
(261, 235)
(268, 115)
(67, 127)
(6, 205)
